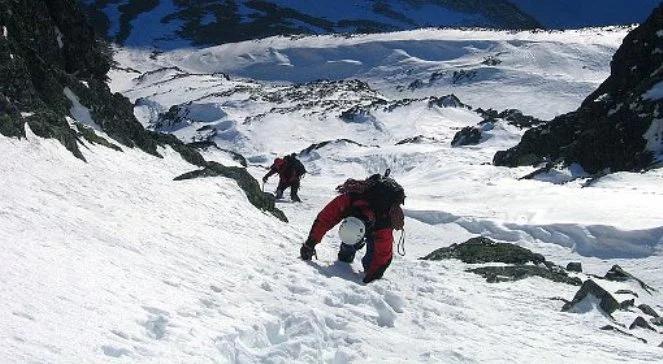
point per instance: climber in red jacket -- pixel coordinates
(376, 202)
(290, 171)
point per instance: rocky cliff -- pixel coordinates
(619, 127)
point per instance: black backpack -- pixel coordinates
(299, 168)
(381, 191)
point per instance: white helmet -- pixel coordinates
(352, 230)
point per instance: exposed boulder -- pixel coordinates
(244, 180)
(591, 293)
(618, 274)
(618, 127)
(446, 101)
(646, 309)
(416, 140)
(484, 250)
(574, 267)
(518, 272)
(641, 323)
(469, 135)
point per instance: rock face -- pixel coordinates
(53, 67)
(518, 272)
(53, 70)
(523, 262)
(588, 291)
(484, 250)
(469, 135)
(619, 127)
(618, 274)
(574, 267)
(216, 22)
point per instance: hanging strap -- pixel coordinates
(400, 248)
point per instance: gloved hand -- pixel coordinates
(307, 251)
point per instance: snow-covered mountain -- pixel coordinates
(619, 126)
(160, 255)
(168, 24)
(563, 14)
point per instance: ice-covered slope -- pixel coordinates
(111, 260)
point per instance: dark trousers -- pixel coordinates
(294, 188)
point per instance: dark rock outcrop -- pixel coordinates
(646, 309)
(608, 131)
(484, 250)
(446, 101)
(574, 267)
(49, 48)
(316, 146)
(641, 323)
(518, 272)
(49, 52)
(591, 290)
(469, 135)
(618, 274)
(244, 180)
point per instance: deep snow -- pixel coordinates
(113, 261)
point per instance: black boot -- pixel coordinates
(347, 253)
(293, 192)
(279, 194)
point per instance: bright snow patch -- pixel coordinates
(80, 112)
(5, 33)
(654, 137)
(655, 93)
(58, 38)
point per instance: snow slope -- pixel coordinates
(113, 261)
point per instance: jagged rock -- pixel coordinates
(416, 140)
(574, 267)
(491, 61)
(626, 291)
(623, 305)
(608, 131)
(587, 291)
(316, 146)
(463, 75)
(616, 329)
(469, 135)
(89, 135)
(357, 114)
(618, 274)
(642, 323)
(658, 321)
(244, 180)
(416, 84)
(518, 272)
(50, 48)
(484, 250)
(646, 309)
(446, 101)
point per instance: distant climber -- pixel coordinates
(290, 171)
(371, 209)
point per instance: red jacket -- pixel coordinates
(287, 174)
(380, 231)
